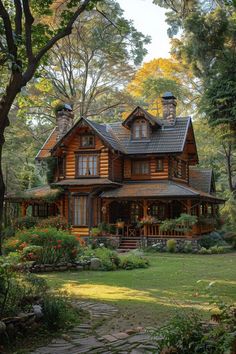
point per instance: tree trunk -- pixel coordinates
(14, 87)
(2, 192)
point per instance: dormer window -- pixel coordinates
(87, 141)
(140, 129)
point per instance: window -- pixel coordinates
(136, 212)
(80, 210)
(158, 211)
(180, 169)
(44, 210)
(87, 141)
(140, 167)
(140, 129)
(160, 165)
(87, 165)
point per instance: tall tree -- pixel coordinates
(24, 43)
(90, 67)
(208, 45)
(160, 75)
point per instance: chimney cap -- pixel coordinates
(168, 95)
(67, 107)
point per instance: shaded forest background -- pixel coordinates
(98, 69)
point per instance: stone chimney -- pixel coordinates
(64, 119)
(169, 107)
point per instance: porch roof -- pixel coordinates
(37, 193)
(160, 189)
(86, 182)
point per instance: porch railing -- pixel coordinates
(197, 229)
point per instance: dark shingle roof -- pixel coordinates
(201, 178)
(85, 182)
(160, 189)
(164, 140)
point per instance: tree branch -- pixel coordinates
(65, 32)
(29, 20)
(18, 17)
(8, 31)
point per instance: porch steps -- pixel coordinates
(128, 244)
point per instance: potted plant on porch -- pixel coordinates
(120, 223)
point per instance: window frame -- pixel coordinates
(83, 215)
(139, 162)
(140, 123)
(162, 164)
(87, 155)
(87, 136)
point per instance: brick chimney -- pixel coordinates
(64, 119)
(169, 107)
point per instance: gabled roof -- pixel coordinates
(201, 179)
(48, 145)
(140, 112)
(165, 139)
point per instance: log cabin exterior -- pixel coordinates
(129, 170)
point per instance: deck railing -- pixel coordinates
(197, 229)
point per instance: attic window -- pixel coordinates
(87, 141)
(140, 129)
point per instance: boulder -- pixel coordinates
(95, 264)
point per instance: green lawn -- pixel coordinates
(150, 296)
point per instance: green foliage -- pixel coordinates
(25, 222)
(132, 261)
(16, 290)
(182, 223)
(171, 245)
(213, 239)
(109, 259)
(57, 245)
(186, 334)
(51, 167)
(231, 238)
(217, 250)
(32, 253)
(56, 312)
(57, 222)
(204, 250)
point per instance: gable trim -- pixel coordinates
(83, 119)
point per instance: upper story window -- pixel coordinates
(179, 169)
(87, 141)
(140, 168)
(87, 165)
(140, 129)
(159, 165)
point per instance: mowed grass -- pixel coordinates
(152, 295)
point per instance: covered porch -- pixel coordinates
(140, 209)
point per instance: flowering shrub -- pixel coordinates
(58, 222)
(57, 245)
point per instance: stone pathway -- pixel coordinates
(84, 339)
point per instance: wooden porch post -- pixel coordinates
(24, 208)
(145, 214)
(189, 206)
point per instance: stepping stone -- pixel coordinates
(138, 338)
(120, 335)
(109, 338)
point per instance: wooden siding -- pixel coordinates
(115, 167)
(153, 173)
(74, 147)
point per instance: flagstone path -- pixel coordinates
(84, 339)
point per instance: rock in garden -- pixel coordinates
(38, 311)
(95, 264)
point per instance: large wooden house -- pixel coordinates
(129, 170)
